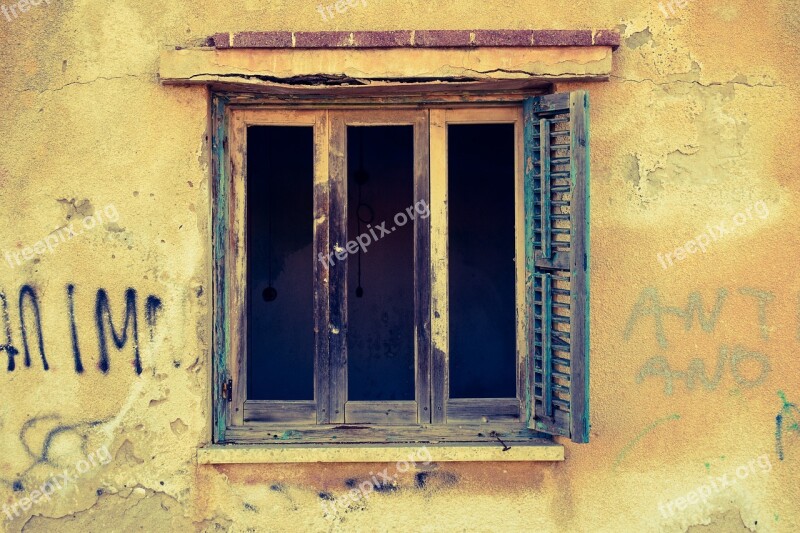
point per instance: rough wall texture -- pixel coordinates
(694, 367)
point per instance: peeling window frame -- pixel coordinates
(452, 421)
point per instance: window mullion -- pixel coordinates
(337, 327)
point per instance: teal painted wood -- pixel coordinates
(548, 412)
(221, 326)
(547, 341)
(544, 186)
(529, 138)
(579, 267)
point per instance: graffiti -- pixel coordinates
(29, 291)
(763, 299)
(650, 304)
(7, 346)
(637, 438)
(788, 419)
(30, 318)
(658, 366)
(39, 450)
(102, 310)
(76, 350)
(151, 308)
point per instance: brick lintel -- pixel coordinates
(415, 39)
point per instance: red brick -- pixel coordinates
(562, 38)
(503, 37)
(382, 39)
(262, 39)
(607, 38)
(321, 39)
(442, 38)
(220, 40)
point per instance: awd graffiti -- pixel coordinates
(31, 323)
(658, 366)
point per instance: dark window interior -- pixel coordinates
(380, 279)
(481, 261)
(280, 284)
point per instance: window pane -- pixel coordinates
(481, 261)
(380, 299)
(280, 284)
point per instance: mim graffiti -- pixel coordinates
(107, 328)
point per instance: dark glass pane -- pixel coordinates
(280, 285)
(380, 335)
(481, 261)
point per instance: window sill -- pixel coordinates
(252, 454)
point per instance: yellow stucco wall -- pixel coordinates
(695, 126)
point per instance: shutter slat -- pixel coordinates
(556, 263)
(544, 162)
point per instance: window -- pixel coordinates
(401, 273)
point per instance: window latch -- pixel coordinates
(227, 390)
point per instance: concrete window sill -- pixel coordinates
(251, 454)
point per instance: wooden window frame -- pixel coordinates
(435, 417)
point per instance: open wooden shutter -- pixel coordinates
(557, 263)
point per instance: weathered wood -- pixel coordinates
(530, 140)
(482, 410)
(551, 103)
(547, 351)
(554, 277)
(294, 412)
(322, 368)
(519, 261)
(219, 191)
(234, 259)
(439, 267)
(422, 269)
(557, 260)
(337, 329)
(579, 266)
(344, 434)
(382, 412)
(236, 264)
(544, 196)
